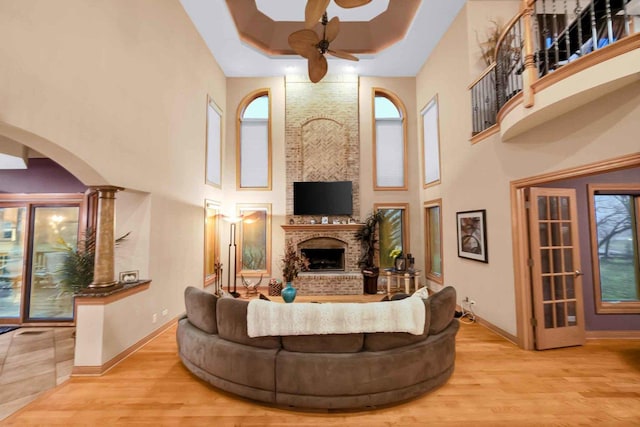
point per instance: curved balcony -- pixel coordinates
(547, 63)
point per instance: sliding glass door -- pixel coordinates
(12, 228)
(36, 236)
(54, 232)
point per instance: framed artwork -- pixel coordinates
(472, 235)
(129, 276)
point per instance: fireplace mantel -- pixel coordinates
(322, 227)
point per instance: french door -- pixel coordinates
(555, 268)
(36, 237)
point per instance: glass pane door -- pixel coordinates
(12, 220)
(55, 231)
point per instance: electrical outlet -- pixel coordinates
(154, 318)
(165, 312)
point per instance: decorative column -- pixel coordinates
(103, 274)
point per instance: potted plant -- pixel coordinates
(76, 271)
(367, 237)
(291, 264)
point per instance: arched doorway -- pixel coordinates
(44, 211)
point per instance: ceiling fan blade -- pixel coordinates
(313, 12)
(348, 4)
(332, 29)
(342, 54)
(317, 67)
(304, 42)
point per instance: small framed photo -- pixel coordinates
(472, 235)
(325, 220)
(129, 276)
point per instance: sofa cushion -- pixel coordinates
(201, 309)
(232, 324)
(443, 308)
(387, 340)
(334, 343)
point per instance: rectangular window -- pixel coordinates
(615, 219)
(433, 240)
(389, 142)
(255, 239)
(214, 144)
(211, 241)
(254, 153)
(430, 144)
(393, 231)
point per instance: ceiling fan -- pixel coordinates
(308, 44)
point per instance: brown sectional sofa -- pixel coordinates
(316, 371)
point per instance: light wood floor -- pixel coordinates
(494, 384)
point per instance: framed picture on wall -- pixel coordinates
(472, 235)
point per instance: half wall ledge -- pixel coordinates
(99, 322)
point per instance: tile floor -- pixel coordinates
(32, 361)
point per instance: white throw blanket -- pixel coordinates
(266, 318)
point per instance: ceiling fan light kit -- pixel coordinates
(309, 45)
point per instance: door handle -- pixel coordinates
(578, 273)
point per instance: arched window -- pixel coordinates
(389, 142)
(253, 160)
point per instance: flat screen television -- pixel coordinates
(323, 198)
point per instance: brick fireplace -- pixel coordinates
(337, 237)
(322, 143)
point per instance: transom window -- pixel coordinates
(615, 218)
(389, 142)
(254, 142)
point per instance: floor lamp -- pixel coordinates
(233, 221)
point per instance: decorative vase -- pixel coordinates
(289, 293)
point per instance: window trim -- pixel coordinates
(395, 100)
(240, 207)
(427, 252)
(406, 243)
(239, 113)
(208, 146)
(436, 103)
(603, 307)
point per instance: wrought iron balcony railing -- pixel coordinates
(545, 36)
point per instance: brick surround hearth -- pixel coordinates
(348, 282)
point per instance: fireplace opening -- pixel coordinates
(324, 260)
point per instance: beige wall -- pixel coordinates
(123, 86)
(478, 176)
(480, 14)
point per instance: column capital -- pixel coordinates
(106, 188)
